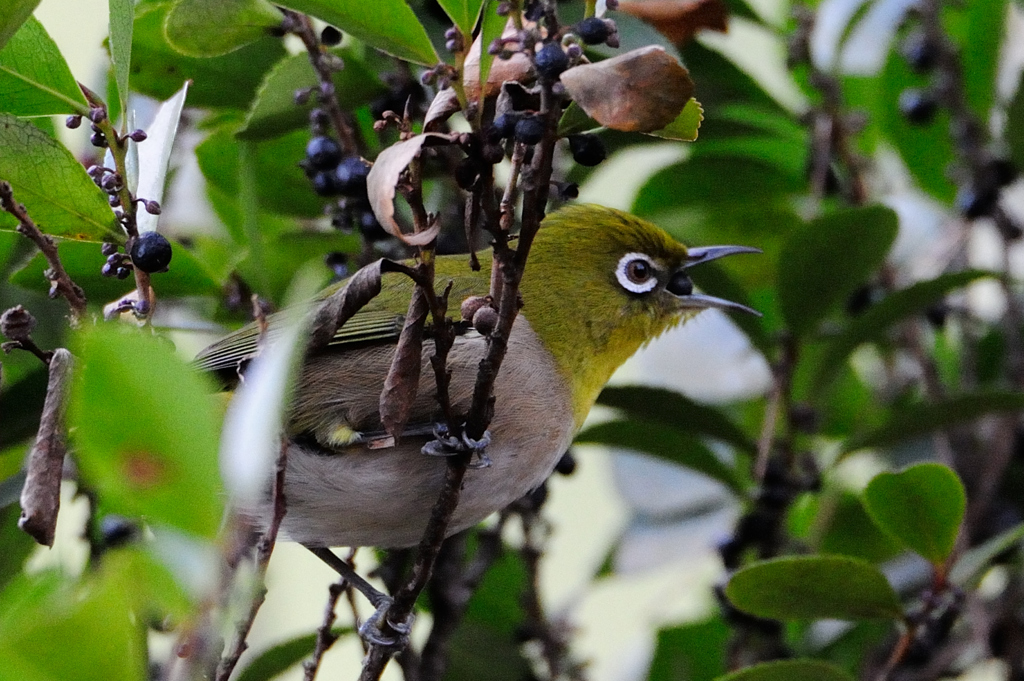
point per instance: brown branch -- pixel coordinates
(60, 282)
(325, 638)
(40, 497)
(264, 549)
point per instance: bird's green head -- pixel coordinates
(601, 283)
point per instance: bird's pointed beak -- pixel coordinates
(697, 256)
(681, 286)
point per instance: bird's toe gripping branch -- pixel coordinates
(446, 444)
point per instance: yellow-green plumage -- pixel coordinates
(579, 322)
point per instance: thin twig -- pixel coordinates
(60, 282)
(325, 638)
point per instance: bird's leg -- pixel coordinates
(370, 630)
(446, 444)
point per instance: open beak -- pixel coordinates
(682, 287)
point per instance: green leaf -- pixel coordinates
(146, 430)
(921, 506)
(199, 28)
(14, 13)
(972, 565)
(575, 120)
(122, 21)
(898, 305)
(463, 14)
(686, 125)
(274, 111)
(986, 33)
(789, 670)
(492, 25)
(17, 544)
(187, 276)
(694, 652)
(278, 659)
(673, 409)
(909, 421)
(34, 78)
(159, 71)
(663, 442)
(388, 25)
(60, 197)
(850, 530)
(282, 187)
(814, 587)
(43, 613)
(825, 260)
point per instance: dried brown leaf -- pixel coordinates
(382, 183)
(441, 109)
(403, 379)
(680, 20)
(640, 91)
(341, 305)
(518, 68)
(40, 497)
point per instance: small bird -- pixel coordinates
(599, 284)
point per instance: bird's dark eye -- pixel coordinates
(680, 284)
(635, 273)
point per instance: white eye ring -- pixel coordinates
(635, 273)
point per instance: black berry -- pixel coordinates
(918, 106)
(330, 36)
(370, 228)
(530, 130)
(108, 249)
(138, 135)
(324, 183)
(116, 531)
(920, 52)
(123, 272)
(466, 173)
(350, 177)
(505, 124)
(593, 31)
(73, 121)
(108, 269)
(98, 140)
(566, 465)
(974, 203)
(587, 150)
(322, 153)
(151, 252)
(550, 61)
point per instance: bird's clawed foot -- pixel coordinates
(371, 630)
(446, 444)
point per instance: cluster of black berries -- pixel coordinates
(919, 105)
(333, 174)
(596, 31)
(761, 527)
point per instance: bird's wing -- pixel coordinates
(366, 326)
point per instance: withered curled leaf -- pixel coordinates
(403, 380)
(382, 183)
(341, 305)
(680, 20)
(642, 90)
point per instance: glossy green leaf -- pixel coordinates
(34, 78)
(789, 670)
(825, 260)
(388, 25)
(878, 318)
(915, 420)
(694, 652)
(60, 198)
(199, 28)
(14, 13)
(686, 125)
(850, 530)
(921, 506)
(146, 430)
(159, 71)
(277, 659)
(972, 565)
(676, 410)
(663, 442)
(575, 120)
(274, 111)
(186, 276)
(122, 21)
(814, 587)
(281, 185)
(463, 14)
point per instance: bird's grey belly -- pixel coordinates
(362, 497)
